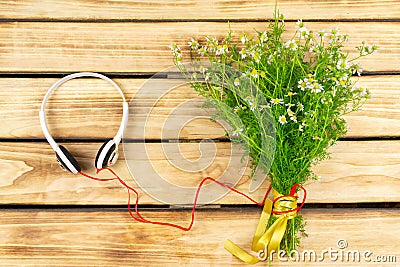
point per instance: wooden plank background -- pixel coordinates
(379, 116)
(51, 218)
(357, 172)
(41, 238)
(117, 47)
(196, 10)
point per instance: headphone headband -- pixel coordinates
(42, 115)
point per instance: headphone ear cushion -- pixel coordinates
(70, 158)
(107, 154)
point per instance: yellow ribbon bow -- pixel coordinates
(284, 207)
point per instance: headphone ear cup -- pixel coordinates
(64, 157)
(107, 155)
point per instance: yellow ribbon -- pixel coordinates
(268, 239)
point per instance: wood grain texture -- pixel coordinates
(201, 9)
(132, 36)
(143, 47)
(111, 238)
(357, 172)
(75, 109)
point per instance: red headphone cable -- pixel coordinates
(139, 217)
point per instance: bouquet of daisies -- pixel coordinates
(304, 83)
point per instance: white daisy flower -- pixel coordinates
(290, 112)
(291, 44)
(174, 48)
(344, 38)
(282, 119)
(193, 44)
(236, 82)
(345, 76)
(334, 91)
(240, 107)
(256, 57)
(252, 51)
(315, 87)
(357, 69)
(264, 37)
(303, 32)
(212, 41)
(250, 100)
(363, 90)
(335, 32)
(244, 38)
(321, 33)
(302, 84)
(243, 53)
(270, 59)
(276, 101)
(342, 64)
(254, 73)
(221, 49)
(202, 69)
(314, 49)
(289, 105)
(237, 132)
(218, 88)
(294, 118)
(290, 94)
(264, 107)
(310, 76)
(300, 106)
(342, 80)
(202, 50)
(178, 55)
(299, 23)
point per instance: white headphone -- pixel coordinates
(108, 152)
